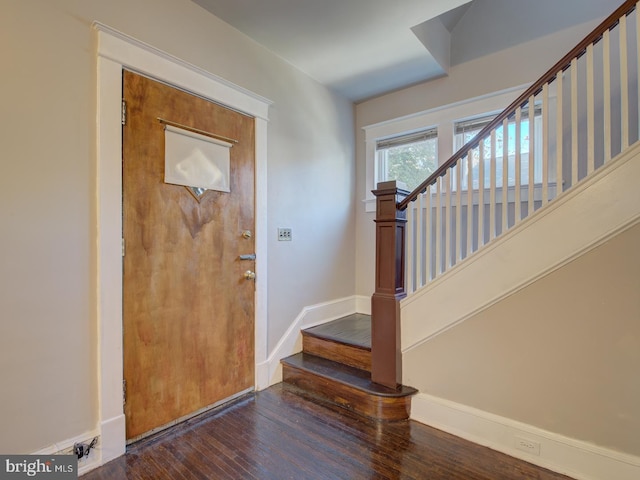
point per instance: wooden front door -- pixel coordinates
(188, 309)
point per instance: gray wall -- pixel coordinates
(48, 345)
(561, 354)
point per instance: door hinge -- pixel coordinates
(123, 247)
(123, 112)
(124, 392)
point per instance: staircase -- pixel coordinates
(573, 126)
(335, 367)
(581, 122)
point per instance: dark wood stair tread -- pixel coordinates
(350, 376)
(335, 366)
(354, 330)
(346, 340)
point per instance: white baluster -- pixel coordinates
(637, 14)
(624, 83)
(458, 210)
(421, 241)
(492, 188)
(591, 129)
(447, 230)
(438, 228)
(429, 230)
(469, 203)
(606, 82)
(574, 121)
(517, 200)
(505, 175)
(410, 265)
(532, 155)
(481, 194)
(559, 133)
(545, 143)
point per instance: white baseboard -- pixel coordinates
(363, 304)
(113, 435)
(578, 459)
(269, 372)
(65, 447)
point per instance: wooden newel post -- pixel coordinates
(386, 359)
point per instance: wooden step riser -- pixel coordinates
(363, 403)
(337, 352)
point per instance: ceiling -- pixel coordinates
(365, 48)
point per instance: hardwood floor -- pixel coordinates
(279, 434)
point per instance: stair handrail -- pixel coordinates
(610, 22)
(392, 205)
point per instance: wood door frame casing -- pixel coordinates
(115, 52)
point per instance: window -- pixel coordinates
(466, 130)
(439, 120)
(409, 158)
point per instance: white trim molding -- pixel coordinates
(270, 371)
(144, 58)
(116, 51)
(581, 219)
(363, 304)
(575, 458)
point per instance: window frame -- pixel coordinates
(383, 145)
(443, 118)
(479, 122)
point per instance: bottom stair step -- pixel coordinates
(348, 387)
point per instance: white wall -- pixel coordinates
(48, 345)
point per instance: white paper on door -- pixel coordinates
(195, 160)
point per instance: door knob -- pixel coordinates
(249, 275)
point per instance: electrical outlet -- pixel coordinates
(284, 234)
(82, 450)
(529, 446)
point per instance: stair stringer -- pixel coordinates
(598, 208)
